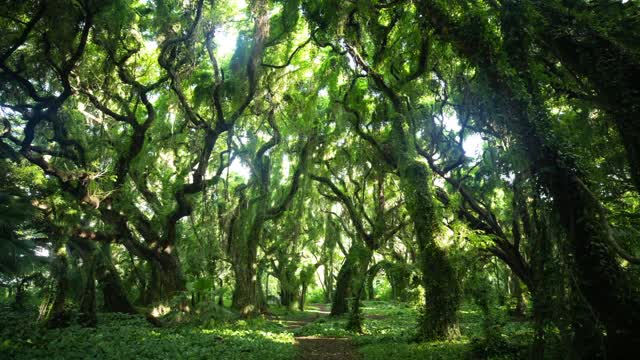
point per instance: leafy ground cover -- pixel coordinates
(389, 329)
(388, 332)
(131, 337)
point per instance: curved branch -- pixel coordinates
(348, 204)
(290, 56)
(25, 33)
(277, 210)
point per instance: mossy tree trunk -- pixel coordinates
(399, 277)
(263, 307)
(332, 236)
(286, 275)
(517, 295)
(441, 289)
(599, 276)
(254, 209)
(287, 291)
(328, 281)
(243, 252)
(56, 315)
(361, 259)
(302, 299)
(441, 298)
(159, 253)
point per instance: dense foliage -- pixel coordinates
(215, 167)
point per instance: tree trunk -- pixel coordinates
(243, 251)
(370, 288)
(371, 275)
(442, 298)
(166, 276)
(245, 297)
(303, 295)
(355, 317)
(244, 237)
(114, 295)
(588, 341)
(339, 304)
(517, 295)
(263, 307)
(328, 279)
(439, 318)
(221, 297)
(57, 316)
(332, 236)
(288, 286)
(20, 295)
(88, 316)
(361, 262)
(399, 278)
(89, 255)
(599, 275)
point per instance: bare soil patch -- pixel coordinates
(314, 347)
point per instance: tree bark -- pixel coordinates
(57, 316)
(88, 316)
(245, 297)
(288, 285)
(339, 304)
(371, 295)
(263, 307)
(244, 237)
(599, 275)
(361, 263)
(517, 295)
(115, 297)
(328, 279)
(442, 297)
(166, 276)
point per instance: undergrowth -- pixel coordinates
(213, 332)
(121, 337)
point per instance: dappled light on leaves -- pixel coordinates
(317, 179)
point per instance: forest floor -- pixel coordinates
(212, 332)
(322, 347)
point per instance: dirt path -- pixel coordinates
(323, 309)
(316, 348)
